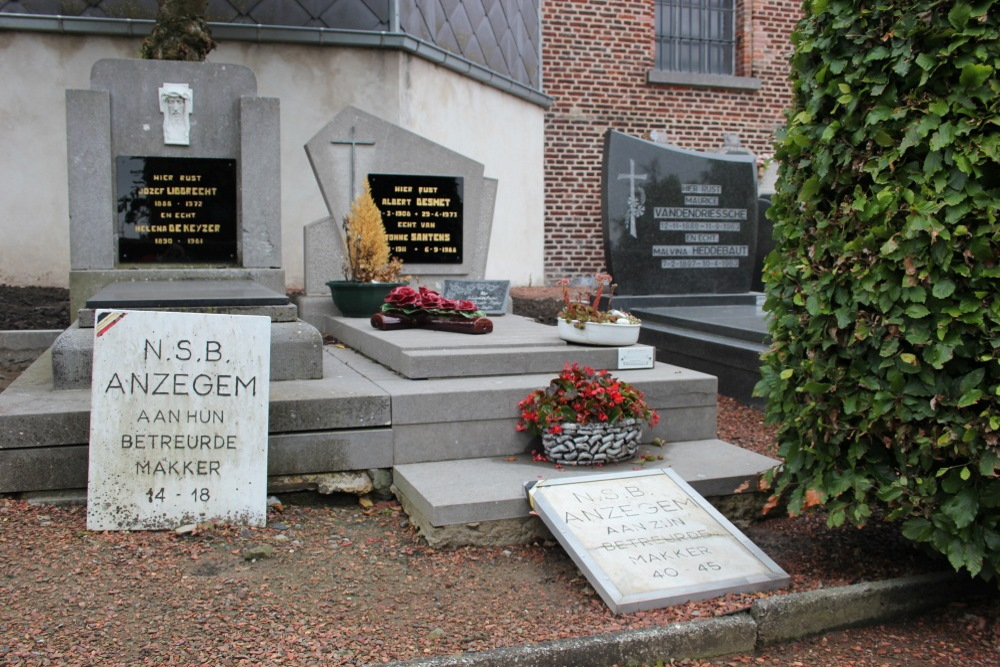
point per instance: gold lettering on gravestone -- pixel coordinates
(422, 216)
(176, 209)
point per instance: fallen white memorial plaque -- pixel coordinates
(646, 539)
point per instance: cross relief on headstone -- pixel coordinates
(353, 142)
(637, 196)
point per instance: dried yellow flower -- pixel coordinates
(368, 257)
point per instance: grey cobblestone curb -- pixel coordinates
(769, 621)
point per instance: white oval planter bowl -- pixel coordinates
(599, 333)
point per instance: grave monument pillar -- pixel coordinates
(231, 233)
(175, 205)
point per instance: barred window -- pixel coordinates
(696, 36)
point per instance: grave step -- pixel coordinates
(482, 500)
(468, 417)
(728, 345)
(738, 321)
(296, 353)
(339, 422)
(517, 345)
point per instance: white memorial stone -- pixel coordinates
(646, 539)
(176, 105)
(178, 428)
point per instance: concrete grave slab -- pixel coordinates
(517, 345)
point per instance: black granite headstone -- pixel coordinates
(176, 210)
(422, 216)
(677, 221)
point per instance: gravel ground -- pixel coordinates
(340, 582)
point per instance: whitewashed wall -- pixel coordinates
(503, 132)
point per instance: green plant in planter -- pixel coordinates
(579, 310)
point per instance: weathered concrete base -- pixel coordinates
(296, 354)
(459, 464)
(83, 284)
(497, 532)
(353, 482)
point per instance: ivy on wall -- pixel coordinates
(884, 287)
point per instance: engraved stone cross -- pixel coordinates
(352, 142)
(636, 196)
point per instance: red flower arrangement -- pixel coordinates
(411, 302)
(584, 396)
(408, 308)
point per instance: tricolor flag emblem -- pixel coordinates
(106, 320)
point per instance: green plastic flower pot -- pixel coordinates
(359, 299)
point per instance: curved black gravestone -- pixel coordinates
(677, 221)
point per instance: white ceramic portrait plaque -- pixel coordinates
(646, 539)
(178, 422)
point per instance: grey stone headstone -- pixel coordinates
(677, 221)
(646, 539)
(355, 144)
(489, 295)
(121, 116)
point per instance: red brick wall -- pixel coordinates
(596, 56)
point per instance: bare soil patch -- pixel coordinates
(26, 308)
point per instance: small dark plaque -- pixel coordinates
(489, 295)
(176, 210)
(677, 221)
(422, 216)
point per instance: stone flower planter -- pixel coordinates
(593, 444)
(599, 333)
(359, 299)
